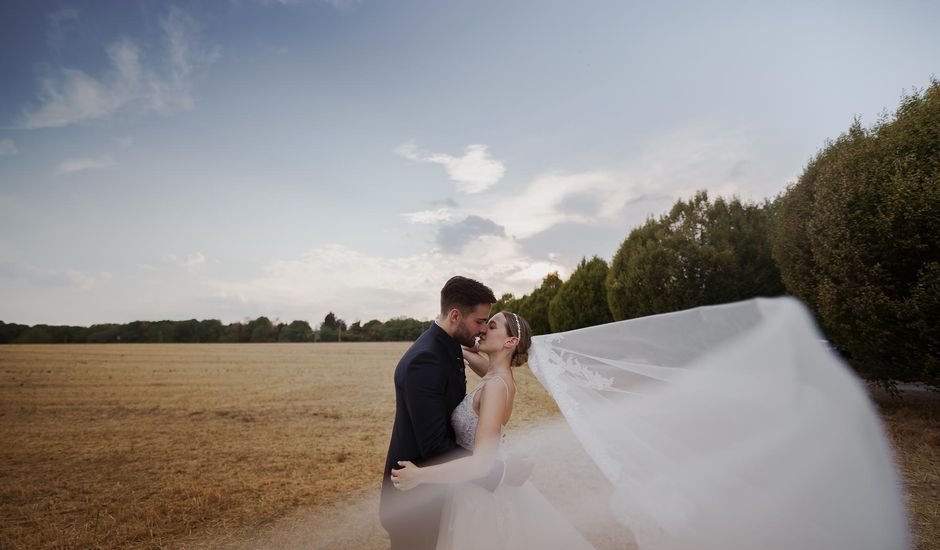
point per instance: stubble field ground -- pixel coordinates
(252, 445)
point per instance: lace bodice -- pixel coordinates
(465, 419)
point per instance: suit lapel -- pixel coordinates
(452, 361)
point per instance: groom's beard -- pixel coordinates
(465, 337)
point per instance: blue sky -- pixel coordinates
(235, 159)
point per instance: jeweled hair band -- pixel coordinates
(518, 326)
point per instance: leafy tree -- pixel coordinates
(534, 307)
(700, 253)
(10, 332)
(261, 330)
(186, 331)
(582, 299)
(209, 330)
(235, 332)
(296, 331)
(331, 328)
(857, 240)
(331, 322)
(38, 334)
(132, 332)
(403, 329)
(162, 332)
(354, 333)
(372, 331)
(506, 302)
(103, 334)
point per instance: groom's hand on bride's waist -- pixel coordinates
(518, 470)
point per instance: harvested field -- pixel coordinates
(194, 445)
(913, 424)
(275, 445)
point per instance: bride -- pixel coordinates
(473, 517)
(720, 427)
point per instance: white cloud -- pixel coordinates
(429, 216)
(473, 172)
(78, 165)
(8, 148)
(193, 260)
(189, 261)
(356, 285)
(71, 96)
(676, 166)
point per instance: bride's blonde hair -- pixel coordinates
(517, 326)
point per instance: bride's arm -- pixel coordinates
(478, 362)
(493, 406)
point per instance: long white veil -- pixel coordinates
(727, 427)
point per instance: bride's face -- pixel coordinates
(495, 338)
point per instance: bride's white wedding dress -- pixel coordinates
(507, 518)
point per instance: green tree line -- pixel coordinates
(262, 329)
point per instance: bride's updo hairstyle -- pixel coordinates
(517, 326)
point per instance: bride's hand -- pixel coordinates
(407, 477)
(472, 349)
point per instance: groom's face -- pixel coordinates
(472, 324)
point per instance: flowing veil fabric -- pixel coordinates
(727, 427)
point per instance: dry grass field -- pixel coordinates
(913, 425)
(161, 446)
(238, 446)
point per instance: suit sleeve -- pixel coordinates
(425, 386)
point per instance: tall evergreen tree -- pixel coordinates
(582, 299)
(857, 240)
(332, 328)
(534, 306)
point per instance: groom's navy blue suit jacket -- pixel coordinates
(429, 384)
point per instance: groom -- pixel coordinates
(429, 384)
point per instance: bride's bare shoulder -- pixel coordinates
(508, 385)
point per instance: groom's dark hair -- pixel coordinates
(464, 294)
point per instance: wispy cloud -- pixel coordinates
(70, 96)
(51, 277)
(429, 216)
(363, 286)
(473, 172)
(188, 261)
(8, 148)
(81, 164)
(675, 165)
